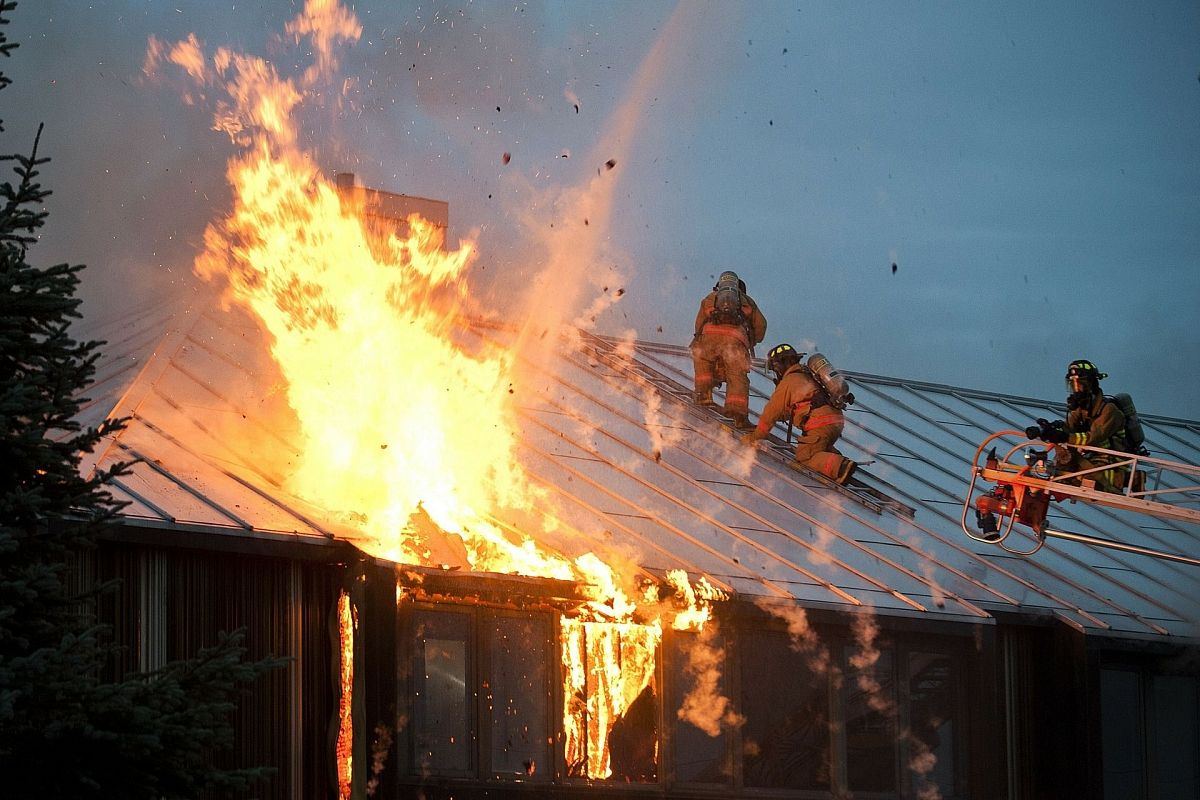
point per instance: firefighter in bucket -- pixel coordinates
(1093, 420)
(813, 394)
(728, 325)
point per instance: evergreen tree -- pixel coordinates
(64, 731)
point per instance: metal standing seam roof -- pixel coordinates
(628, 462)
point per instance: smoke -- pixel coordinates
(865, 629)
(922, 762)
(704, 706)
(661, 427)
(937, 593)
(804, 639)
(381, 746)
(577, 242)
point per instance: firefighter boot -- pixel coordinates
(741, 422)
(846, 471)
(703, 397)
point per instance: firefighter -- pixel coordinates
(799, 394)
(728, 325)
(1093, 420)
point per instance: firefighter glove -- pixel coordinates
(1052, 432)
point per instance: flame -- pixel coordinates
(405, 428)
(406, 432)
(693, 603)
(344, 748)
(606, 666)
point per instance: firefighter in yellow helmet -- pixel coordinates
(812, 410)
(1093, 420)
(728, 325)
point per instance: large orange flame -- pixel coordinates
(406, 432)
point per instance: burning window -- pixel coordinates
(344, 746)
(611, 702)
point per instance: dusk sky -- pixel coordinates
(964, 193)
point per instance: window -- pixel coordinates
(1150, 736)
(934, 718)
(517, 695)
(1174, 740)
(443, 693)
(787, 735)
(699, 756)
(869, 703)
(481, 692)
(885, 720)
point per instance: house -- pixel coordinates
(861, 643)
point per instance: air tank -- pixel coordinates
(829, 378)
(1134, 436)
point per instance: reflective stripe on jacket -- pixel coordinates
(1100, 425)
(831, 416)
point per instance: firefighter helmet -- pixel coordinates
(781, 357)
(1083, 376)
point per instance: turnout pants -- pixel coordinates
(815, 450)
(707, 350)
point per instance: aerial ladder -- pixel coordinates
(1025, 481)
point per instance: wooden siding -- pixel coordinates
(171, 602)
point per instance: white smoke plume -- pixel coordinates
(804, 639)
(704, 706)
(865, 628)
(922, 762)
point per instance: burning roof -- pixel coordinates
(625, 464)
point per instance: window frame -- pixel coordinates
(480, 680)
(903, 645)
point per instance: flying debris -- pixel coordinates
(894, 267)
(506, 158)
(612, 162)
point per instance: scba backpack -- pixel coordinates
(1135, 439)
(727, 310)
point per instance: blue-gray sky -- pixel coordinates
(1031, 169)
